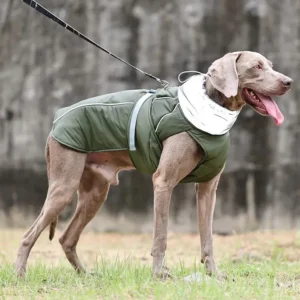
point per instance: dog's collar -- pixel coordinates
(201, 110)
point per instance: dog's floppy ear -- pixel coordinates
(223, 74)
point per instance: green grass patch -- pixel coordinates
(125, 279)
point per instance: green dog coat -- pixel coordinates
(137, 121)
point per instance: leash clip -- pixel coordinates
(164, 83)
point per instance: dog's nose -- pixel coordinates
(287, 81)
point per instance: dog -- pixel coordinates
(189, 150)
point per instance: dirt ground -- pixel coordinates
(181, 247)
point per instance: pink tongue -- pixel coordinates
(272, 108)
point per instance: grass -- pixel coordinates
(272, 273)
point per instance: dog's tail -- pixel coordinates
(52, 229)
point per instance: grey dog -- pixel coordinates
(236, 79)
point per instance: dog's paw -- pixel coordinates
(20, 272)
(213, 270)
(220, 276)
(162, 274)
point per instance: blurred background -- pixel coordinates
(44, 67)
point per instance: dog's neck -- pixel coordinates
(232, 103)
(200, 109)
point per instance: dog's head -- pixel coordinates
(248, 78)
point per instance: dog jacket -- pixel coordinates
(119, 121)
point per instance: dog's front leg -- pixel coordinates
(162, 198)
(206, 199)
(179, 157)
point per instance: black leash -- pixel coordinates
(51, 16)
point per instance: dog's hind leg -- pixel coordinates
(93, 191)
(65, 171)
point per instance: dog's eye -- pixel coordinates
(258, 66)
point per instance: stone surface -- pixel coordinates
(44, 67)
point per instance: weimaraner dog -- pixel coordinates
(236, 79)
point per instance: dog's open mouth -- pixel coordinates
(264, 105)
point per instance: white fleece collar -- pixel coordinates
(202, 111)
